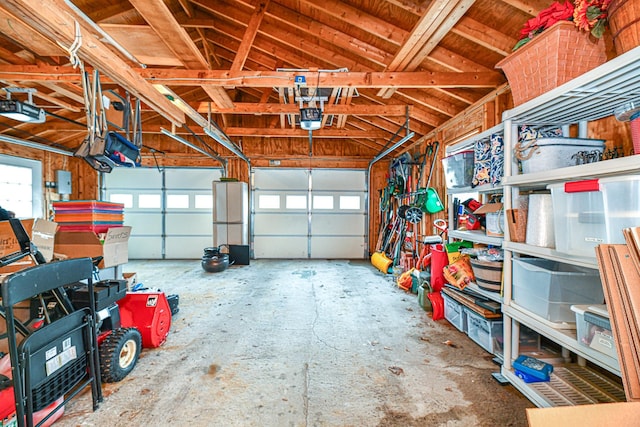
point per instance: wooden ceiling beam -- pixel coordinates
(9, 57)
(461, 95)
(272, 108)
(208, 47)
(454, 62)
(219, 96)
(423, 31)
(527, 6)
(317, 50)
(314, 28)
(49, 98)
(347, 97)
(354, 16)
(187, 7)
(15, 29)
(249, 35)
(436, 22)
(485, 36)
(56, 20)
(423, 99)
(178, 77)
(300, 133)
(65, 89)
(415, 7)
(379, 57)
(418, 79)
(108, 10)
(158, 15)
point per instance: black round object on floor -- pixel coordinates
(213, 261)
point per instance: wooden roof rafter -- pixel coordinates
(57, 21)
(436, 22)
(247, 41)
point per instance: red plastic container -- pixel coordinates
(149, 312)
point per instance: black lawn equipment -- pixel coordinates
(125, 321)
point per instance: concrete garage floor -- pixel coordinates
(301, 343)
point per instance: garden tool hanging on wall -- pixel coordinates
(430, 201)
(413, 213)
(408, 209)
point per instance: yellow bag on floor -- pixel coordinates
(459, 273)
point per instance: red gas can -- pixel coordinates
(149, 312)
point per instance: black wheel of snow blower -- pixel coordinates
(119, 353)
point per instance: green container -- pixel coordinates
(423, 300)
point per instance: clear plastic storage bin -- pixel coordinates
(593, 328)
(592, 212)
(487, 333)
(458, 169)
(455, 313)
(621, 196)
(549, 288)
(578, 218)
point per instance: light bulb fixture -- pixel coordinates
(310, 118)
(21, 111)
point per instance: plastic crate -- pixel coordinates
(621, 196)
(578, 219)
(593, 328)
(455, 313)
(549, 288)
(487, 333)
(591, 212)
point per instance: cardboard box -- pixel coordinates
(494, 218)
(78, 244)
(517, 223)
(42, 234)
(603, 414)
(131, 278)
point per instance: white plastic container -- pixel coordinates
(458, 169)
(549, 288)
(540, 225)
(578, 217)
(621, 196)
(455, 313)
(487, 333)
(592, 212)
(593, 328)
(553, 153)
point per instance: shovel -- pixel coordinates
(432, 203)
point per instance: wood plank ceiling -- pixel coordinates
(376, 64)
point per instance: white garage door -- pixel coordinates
(170, 210)
(316, 213)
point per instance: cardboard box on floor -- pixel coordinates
(131, 278)
(77, 244)
(42, 234)
(603, 414)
